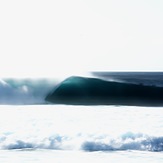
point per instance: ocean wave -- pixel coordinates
(78, 90)
(128, 141)
(11, 143)
(25, 91)
(131, 142)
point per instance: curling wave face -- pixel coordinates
(93, 91)
(137, 89)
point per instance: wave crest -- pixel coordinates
(78, 90)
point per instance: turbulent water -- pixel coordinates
(42, 132)
(25, 91)
(37, 133)
(34, 91)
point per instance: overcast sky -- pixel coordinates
(55, 37)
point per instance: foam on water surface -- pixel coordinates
(60, 133)
(93, 128)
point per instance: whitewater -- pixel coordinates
(61, 133)
(36, 131)
(25, 91)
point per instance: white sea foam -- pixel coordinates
(99, 128)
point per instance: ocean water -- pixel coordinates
(33, 130)
(61, 133)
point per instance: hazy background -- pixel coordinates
(56, 37)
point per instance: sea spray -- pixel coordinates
(25, 91)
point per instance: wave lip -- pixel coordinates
(93, 91)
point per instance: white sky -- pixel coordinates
(57, 37)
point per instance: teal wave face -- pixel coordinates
(93, 91)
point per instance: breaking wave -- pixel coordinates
(92, 91)
(128, 141)
(24, 91)
(85, 90)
